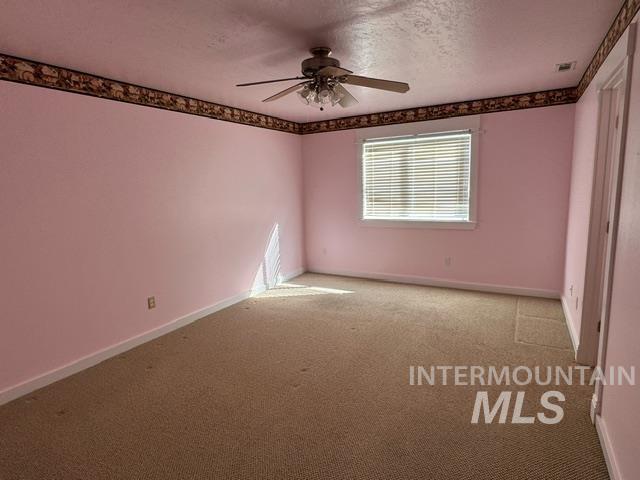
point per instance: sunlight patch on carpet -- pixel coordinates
(295, 290)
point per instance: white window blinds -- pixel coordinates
(422, 178)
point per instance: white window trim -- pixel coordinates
(470, 123)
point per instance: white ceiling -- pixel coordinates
(447, 50)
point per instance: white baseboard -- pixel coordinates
(92, 359)
(607, 449)
(575, 342)
(293, 274)
(437, 282)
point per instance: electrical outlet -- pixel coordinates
(151, 302)
(576, 304)
(571, 290)
(447, 261)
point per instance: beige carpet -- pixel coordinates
(307, 383)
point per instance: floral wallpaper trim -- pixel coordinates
(420, 114)
(39, 74)
(620, 24)
(35, 73)
(43, 75)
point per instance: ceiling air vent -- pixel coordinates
(565, 67)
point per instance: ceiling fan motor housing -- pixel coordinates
(320, 59)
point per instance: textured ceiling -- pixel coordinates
(447, 50)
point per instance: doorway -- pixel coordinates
(607, 178)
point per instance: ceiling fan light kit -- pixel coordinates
(323, 82)
(320, 95)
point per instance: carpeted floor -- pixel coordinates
(311, 383)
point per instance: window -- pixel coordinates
(418, 178)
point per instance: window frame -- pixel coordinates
(469, 124)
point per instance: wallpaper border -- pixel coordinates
(505, 103)
(30, 72)
(619, 25)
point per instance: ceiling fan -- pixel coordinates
(323, 78)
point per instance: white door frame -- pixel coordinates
(604, 177)
(612, 130)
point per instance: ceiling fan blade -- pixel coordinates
(269, 81)
(333, 72)
(390, 85)
(284, 92)
(347, 99)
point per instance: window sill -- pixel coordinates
(462, 225)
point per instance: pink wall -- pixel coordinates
(523, 189)
(620, 404)
(582, 167)
(104, 204)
